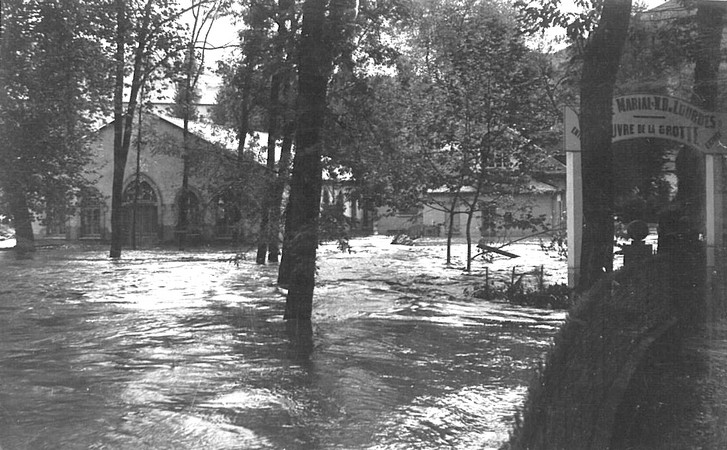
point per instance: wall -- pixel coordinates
(160, 167)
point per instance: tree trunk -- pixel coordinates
(470, 215)
(123, 123)
(24, 239)
(119, 156)
(450, 228)
(280, 182)
(710, 23)
(183, 220)
(265, 235)
(285, 269)
(313, 72)
(600, 67)
(242, 130)
(690, 162)
(16, 192)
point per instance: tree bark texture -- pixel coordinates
(305, 188)
(22, 221)
(123, 122)
(710, 23)
(15, 187)
(117, 185)
(265, 237)
(281, 181)
(690, 162)
(600, 66)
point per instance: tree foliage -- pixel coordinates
(460, 95)
(53, 83)
(147, 40)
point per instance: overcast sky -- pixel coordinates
(224, 34)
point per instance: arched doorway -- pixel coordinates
(652, 116)
(141, 214)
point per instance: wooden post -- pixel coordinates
(574, 193)
(713, 219)
(487, 283)
(574, 211)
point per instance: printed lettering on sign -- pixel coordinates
(657, 116)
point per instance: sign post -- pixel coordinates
(650, 116)
(574, 195)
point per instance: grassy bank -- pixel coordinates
(618, 354)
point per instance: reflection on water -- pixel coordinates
(186, 351)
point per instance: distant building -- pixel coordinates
(219, 211)
(542, 195)
(152, 189)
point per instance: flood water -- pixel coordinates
(170, 350)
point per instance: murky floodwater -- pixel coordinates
(187, 351)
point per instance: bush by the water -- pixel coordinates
(556, 296)
(574, 400)
(524, 291)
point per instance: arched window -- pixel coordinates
(146, 193)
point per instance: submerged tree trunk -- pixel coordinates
(279, 187)
(265, 236)
(600, 67)
(450, 229)
(470, 215)
(304, 209)
(183, 228)
(22, 221)
(285, 269)
(123, 121)
(119, 157)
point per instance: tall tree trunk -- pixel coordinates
(265, 236)
(137, 178)
(600, 66)
(183, 220)
(22, 221)
(285, 21)
(450, 228)
(119, 156)
(470, 215)
(710, 24)
(304, 210)
(123, 122)
(286, 267)
(280, 182)
(15, 189)
(690, 162)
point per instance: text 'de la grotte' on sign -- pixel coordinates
(656, 116)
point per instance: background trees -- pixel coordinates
(187, 95)
(149, 38)
(457, 94)
(600, 67)
(53, 83)
(478, 92)
(325, 27)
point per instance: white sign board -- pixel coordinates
(651, 116)
(657, 116)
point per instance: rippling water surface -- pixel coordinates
(169, 350)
